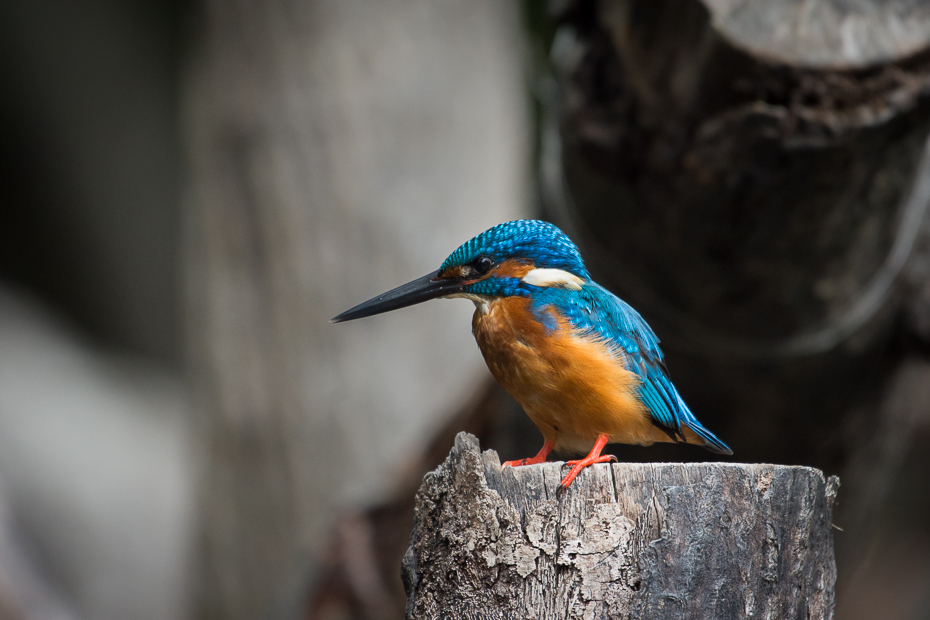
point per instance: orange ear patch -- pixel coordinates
(512, 268)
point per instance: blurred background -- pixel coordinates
(190, 191)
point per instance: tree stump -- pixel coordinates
(661, 540)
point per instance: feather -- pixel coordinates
(595, 311)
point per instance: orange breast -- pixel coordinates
(573, 387)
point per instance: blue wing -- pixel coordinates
(597, 311)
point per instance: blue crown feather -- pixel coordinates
(535, 240)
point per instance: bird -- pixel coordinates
(584, 365)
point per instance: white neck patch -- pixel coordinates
(556, 278)
(482, 303)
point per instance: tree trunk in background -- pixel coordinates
(752, 177)
(670, 540)
(337, 150)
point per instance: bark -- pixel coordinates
(777, 178)
(655, 541)
(752, 177)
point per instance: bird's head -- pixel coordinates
(508, 259)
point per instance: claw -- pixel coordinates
(539, 458)
(593, 457)
(601, 459)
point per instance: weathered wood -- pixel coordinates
(663, 540)
(780, 185)
(824, 33)
(751, 176)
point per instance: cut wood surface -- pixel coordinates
(662, 540)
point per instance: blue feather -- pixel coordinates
(596, 311)
(592, 311)
(534, 240)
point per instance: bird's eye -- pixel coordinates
(482, 264)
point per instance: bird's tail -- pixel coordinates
(711, 441)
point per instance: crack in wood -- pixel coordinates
(625, 541)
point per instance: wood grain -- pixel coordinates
(663, 540)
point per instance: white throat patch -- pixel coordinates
(556, 278)
(481, 302)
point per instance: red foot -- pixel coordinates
(539, 458)
(593, 457)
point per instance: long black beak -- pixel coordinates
(422, 289)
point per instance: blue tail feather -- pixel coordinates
(711, 441)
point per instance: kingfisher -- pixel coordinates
(583, 364)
